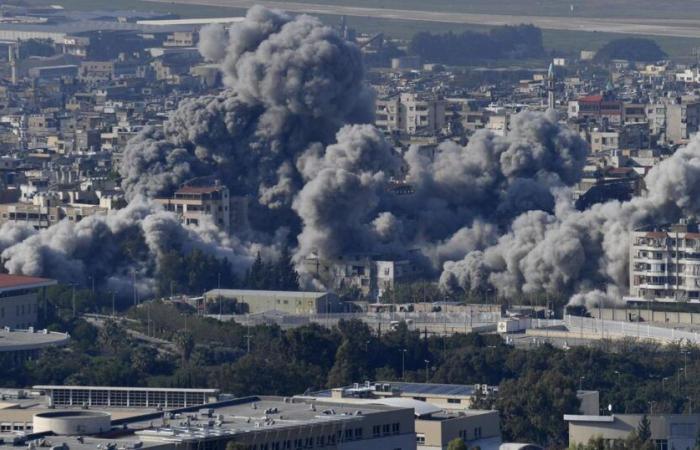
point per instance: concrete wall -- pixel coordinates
(631, 315)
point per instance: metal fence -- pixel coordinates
(609, 329)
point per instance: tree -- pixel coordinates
(185, 344)
(533, 406)
(232, 445)
(286, 276)
(456, 444)
(633, 49)
(350, 366)
(644, 429)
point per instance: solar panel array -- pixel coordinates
(432, 389)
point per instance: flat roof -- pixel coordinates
(124, 388)
(202, 21)
(431, 388)
(420, 408)
(263, 293)
(14, 282)
(260, 414)
(21, 340)
(588, 418)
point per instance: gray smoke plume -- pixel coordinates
(583, 253)
(73, 252)
(292, 83)
(340, 204)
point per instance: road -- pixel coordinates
(653, 27)
(161, 345)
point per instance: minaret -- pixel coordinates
(551, 86)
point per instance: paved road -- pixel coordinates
(160, 344)
(653, 27)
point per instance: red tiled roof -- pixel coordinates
(9, 282)
(591, 98)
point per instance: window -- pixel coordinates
(358, 433)
(454, 400)
(477, 433)
(420, 438)
(376, 431)
(385, 429)
(395, 428)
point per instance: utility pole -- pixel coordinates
(73, 298)
(247, 336)
(403, 364)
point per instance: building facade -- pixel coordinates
(19, 302)
(668, 431)
(193, 203)
(665, 263)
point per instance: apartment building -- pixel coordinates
(675, 119)
(665, 263)
(370, 275)
(411, 113)
(193, 203)
(44, 212)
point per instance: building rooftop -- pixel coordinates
(123, 388)
(22, 340)
(255, 413)
(15, 282)
(262, 293)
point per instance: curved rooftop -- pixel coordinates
(24, 340)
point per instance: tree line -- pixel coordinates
(520, 41)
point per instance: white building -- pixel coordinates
(665, 263)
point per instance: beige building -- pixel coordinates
(665, 263)
(668, 431)
(411, 114)
(44, 212)
(372, 276)
(291, 302)
(193, 203)
(441, 411)
(19, 299)
(477, 428)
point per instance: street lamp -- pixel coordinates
(403, 364)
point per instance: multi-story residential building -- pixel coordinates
(370, 275)
(597, 108)
(411, 113)
(665, 263)
(675, 119)
(193, 203)
(45, 211)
